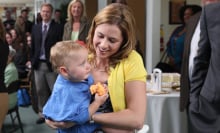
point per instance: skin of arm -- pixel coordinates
(99, 100)
(94, 106)
(131, 117)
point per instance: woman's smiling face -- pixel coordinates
(107, 40)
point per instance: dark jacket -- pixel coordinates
(206, 71)
(4, 50)
(184, 80)
(54, 35)
(83, 31)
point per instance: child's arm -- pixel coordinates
(100, 97)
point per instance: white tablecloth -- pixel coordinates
(163, 115)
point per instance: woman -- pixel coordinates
(3, 61)
(175, 44)
(21, 56)
(138, 45)
(20, 26)
(11, 74)
(8, 38)
(111, 43)
(77, 25)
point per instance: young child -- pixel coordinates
(70, 98)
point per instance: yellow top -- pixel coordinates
(129, 69)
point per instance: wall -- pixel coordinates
(91, 8)
(138, 7)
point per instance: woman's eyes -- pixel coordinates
(100, 36)
(111, 40)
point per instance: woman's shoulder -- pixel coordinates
(134, 55)
(134, 59)
(68, 24)
(178, 28)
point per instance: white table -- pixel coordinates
(163, 115)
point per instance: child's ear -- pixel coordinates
(63, 71)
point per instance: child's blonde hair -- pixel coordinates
(64, 51)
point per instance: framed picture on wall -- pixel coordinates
(174, 8)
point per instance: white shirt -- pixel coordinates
(194, 48)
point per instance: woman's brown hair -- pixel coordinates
(122, 16)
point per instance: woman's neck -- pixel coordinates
(102, 64)
(76, 19)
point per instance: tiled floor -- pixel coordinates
(28, 118)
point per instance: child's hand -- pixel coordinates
(99, 88)
(100, 91)
(101, 99)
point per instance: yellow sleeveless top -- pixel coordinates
(129, 69)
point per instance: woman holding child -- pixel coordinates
(111, 43)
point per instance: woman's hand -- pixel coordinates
(56, 125)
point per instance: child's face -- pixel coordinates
(78, 68)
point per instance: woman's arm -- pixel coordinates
(99, 100)
(56, 125)
(133, 116)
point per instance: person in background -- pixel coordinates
(20, 26)
(21, 55)
(71, 94)
(4, 50)
(190, 50)
(38, 18)
(11, 74)
(9, 22)
(8, 38)
(15, 36)
(58, 17)
(77, 25)
(175, 43)
(44, 36)
(28, 62)
(111, 43)
(30, 76)
(28, 23)
(28, 41)
(204, 93)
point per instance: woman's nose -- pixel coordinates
(104, 44)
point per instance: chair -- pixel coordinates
(144, 129)
(14, 111)
(26, 82)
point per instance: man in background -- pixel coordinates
(44, 36)
(9, 23)
(58, 17)
(190, 51)
(204, 106)
(28, 23)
